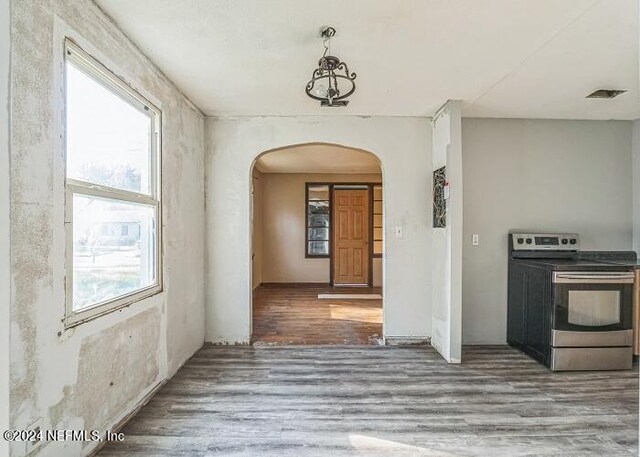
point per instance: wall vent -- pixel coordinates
(606, 93)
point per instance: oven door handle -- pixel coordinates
(592, 278)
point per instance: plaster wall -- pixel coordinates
(92, 375)
(283, 225)
(5, 263)
(446, 251)
(256, 242)
(538, 175)
(403, 146)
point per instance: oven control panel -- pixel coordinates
(545, 241)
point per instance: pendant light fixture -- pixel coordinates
(331, 83)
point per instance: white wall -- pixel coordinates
(636, 185)
(447, 255)
(283, 227)
(404, 147)
(91, 376)
(547, 175)
(5, 263)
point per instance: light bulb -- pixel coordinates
(320, 90)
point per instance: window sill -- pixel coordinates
(76, 318)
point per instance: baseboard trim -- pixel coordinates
(290, 285)
(241, 342)
(407, 340)
(127, 417)
(138, 406)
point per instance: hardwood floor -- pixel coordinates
(382, 401)
(295, 315)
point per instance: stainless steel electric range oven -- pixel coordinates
(567, 311)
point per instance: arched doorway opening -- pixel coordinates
(317, 218)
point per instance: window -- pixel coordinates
(112, 185)
(377, 221)
(318, 217)
(318, 220)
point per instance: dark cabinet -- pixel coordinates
(528, 317)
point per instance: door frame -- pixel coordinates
(331, 185)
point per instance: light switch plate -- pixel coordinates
(399, 232)
(475, 239)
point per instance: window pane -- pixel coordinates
(377, 207)
(318, 248)
(318, 234)
(377, 233)
(318, 220)
(108, 139)
(377, 247)
(318, 207)
(377, 220)
(108, 260)
(377, 192)
(318, 192)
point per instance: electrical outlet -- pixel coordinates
(35, 432)
(475, 239)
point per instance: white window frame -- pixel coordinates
(100, 74)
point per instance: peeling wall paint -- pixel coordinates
(93, 375)
(5, 264)
(114, 366)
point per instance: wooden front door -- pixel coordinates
(351, 237)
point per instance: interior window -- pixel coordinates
(378, 230)
(318, 207)
(318, 220)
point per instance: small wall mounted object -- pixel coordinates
(439, 198)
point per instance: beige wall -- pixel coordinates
(283, 228)
(566, 176)
(256, 266)
(636, 185)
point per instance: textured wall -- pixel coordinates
(565, 176)
(5, 275)
(403, 146)
(94, 374)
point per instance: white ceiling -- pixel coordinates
(502, 58)
(318, 158)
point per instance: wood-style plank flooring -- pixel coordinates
(382, 401)
(295, 315)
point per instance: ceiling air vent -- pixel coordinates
(606, 93)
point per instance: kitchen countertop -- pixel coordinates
(624, 258)
(627, 263)
(577, 264)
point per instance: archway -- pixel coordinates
(317, 245)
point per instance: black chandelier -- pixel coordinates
(331, 71)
